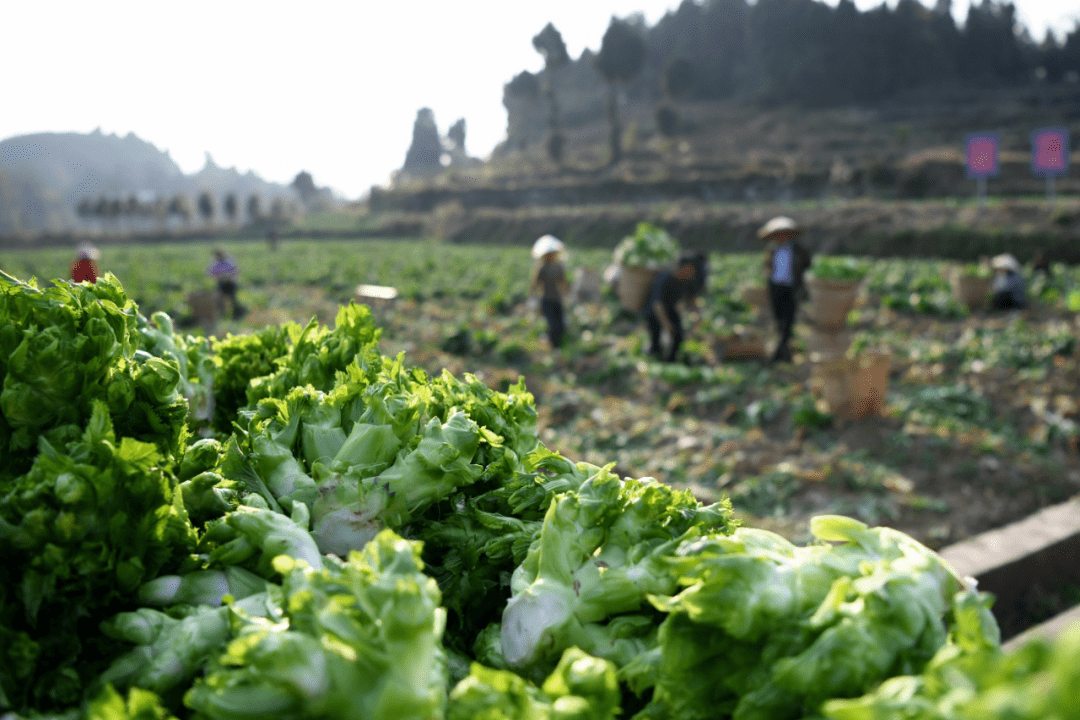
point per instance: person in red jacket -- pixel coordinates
(84, 267)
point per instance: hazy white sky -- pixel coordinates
(328, 87)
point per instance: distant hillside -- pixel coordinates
(44, 176)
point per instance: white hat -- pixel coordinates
(547, 244)
(88, 252)
(778, 224)
(1005, 261)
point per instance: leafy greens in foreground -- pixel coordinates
(82, 529)
(356, 639)
(765, 629)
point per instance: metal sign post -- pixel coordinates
(982, 160)
(1050, 157)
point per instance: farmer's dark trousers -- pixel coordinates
(652, 321)
(1005, 300)
(553, 313)
(227, 291)
(784, 306)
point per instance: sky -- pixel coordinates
(332, 88)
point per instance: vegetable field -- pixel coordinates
(981, 409)
(419, 510)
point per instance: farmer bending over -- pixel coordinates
(661, 312)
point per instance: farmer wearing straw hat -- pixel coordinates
(84, 266)
(550, 279)
(1008, 288)
(785, 263)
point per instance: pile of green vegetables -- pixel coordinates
(291, 524)
(649, 246)
(839, 268)
(973, 681)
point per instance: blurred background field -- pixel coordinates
(980, 418)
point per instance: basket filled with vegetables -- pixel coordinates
(971, 284)
(833, 284)
(640, 257)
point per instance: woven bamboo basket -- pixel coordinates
(830, 302)
(634, 286)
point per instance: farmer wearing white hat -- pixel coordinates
(785, 263)
(1008, 288)
(84, 266)
(549, 279)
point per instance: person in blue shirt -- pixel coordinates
(661, 307)
(1009, 292)
(786, 262)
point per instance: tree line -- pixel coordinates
(112, 209)
(206, 205)
(799, 52)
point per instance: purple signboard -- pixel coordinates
(982, 155)
(1050, 151)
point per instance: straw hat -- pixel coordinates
(1005, 261)
(547, 244)
(88, 252)
(778, 224)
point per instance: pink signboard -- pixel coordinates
(982, 155)
(1050, 151)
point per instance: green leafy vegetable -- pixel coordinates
(83, 529)
(139, 705)
(170, 652)
(839, 268)
(599, 554)
(238, 360)
(581, 687)
(359, 638)
(782, 628)
(649, 246)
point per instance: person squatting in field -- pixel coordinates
(225, 270)
(1008, 287)
(549, 279)
(786, 261)
(84, 266)
(661, 307)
